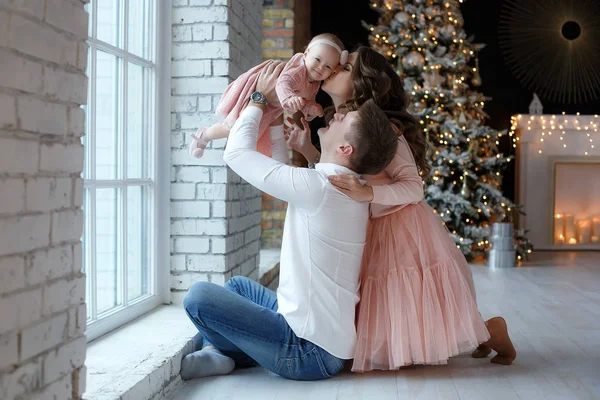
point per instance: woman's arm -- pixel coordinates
(407, 187)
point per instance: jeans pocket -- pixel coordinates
(331, 363)
(309, 366)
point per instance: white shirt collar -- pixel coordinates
(334, 169)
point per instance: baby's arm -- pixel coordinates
(286, 93)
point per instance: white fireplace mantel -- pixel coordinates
(536, 155)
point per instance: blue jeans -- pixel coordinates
(241, 320)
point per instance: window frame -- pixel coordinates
(158, 165)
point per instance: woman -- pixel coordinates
(417, 294)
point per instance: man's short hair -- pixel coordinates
(374, 140)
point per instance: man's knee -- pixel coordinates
(236, 283)
(198, 295)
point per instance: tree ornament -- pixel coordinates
(402, 17)
(446, 31)
(433, 79)
(465, 192)
(476, 80)
(413, 60)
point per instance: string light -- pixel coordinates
(576, 123)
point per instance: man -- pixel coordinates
(305, 331)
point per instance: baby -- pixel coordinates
(296, 89)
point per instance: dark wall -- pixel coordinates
(343, 18)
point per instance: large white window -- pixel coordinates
(122, 181)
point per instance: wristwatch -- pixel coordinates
(259, 98)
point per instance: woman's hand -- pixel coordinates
(299, 140)
(351, 187)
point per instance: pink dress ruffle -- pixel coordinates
(417, 294)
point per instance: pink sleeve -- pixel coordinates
(407, 186)
(290, 79)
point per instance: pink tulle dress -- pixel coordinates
(417, 297)
(293, 81)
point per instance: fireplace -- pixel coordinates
(575, 191)
(558, 180)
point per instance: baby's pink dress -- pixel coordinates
(293, 81)
(417, 297)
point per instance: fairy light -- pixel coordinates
(559, 124)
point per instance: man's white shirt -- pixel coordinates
(323, 238)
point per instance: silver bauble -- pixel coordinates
(465, 192)
(413, 60)
(402, 17)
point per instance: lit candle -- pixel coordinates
(559, 229)
(572, 241)
(585, 231)
(596, 226)
(570, 227)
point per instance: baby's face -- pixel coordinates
(321, 60)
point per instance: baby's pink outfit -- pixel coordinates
(417, 297)
(293, 81)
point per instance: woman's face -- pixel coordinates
(339, 85)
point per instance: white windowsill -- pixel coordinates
(142, 359)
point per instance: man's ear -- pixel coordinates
(346, 149)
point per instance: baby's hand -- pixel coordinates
(312, 110)
(296, 103)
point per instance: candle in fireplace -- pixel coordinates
(570, 233)
(559, 229)
(596, 226)
(585, 231)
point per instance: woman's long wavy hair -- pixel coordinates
(374, 78)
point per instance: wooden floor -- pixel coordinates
(552, 306)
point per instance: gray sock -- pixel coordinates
(205, 362)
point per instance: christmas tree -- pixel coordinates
(426, 43)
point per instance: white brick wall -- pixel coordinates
(215, 216)
(43, 56)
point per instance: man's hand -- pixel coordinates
(268, 79)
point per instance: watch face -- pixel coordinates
(257, 97)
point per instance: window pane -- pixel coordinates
(135, 121)
(107, 249)
(86, 108)
(88, 8)
(107, 115)
(138, 28)
(86, 265)
(108, 22)
(137, 231)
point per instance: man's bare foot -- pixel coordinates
(500, 341)
(482, 351)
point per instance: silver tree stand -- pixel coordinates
(502, 254)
